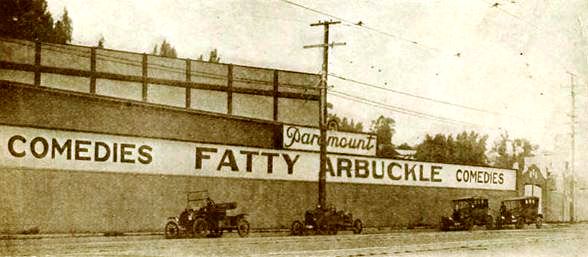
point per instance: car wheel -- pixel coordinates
(539, 222)
(243, 227)
(200, 228)
(489, 222)
(297, 228)
(468, 224)
(357, 226)
(520, 223)
(171, 230)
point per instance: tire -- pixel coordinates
(297, 228)
(489, 222)
(171, 230)
(200, 228)
(357, 226)
(243, 227)
(468, 224)
(539, 222)
(520, 223)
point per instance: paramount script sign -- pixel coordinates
(62, 150)
(304, 138)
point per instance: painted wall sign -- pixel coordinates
(51, 149)
(304, 138)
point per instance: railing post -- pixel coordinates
(230, 90)
(93, 70)
(145, 74)
(188, 87)
(37, 63)
(276, 93)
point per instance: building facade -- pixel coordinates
(96, 140)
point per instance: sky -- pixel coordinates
(491, 66)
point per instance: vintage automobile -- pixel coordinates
(519, 211)
(467, 212)
(321, 221)
(203, 217)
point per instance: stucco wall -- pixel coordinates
(29, 106)
(72, 201)
(75, 201)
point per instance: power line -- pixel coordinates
(400, 109)
(417, 96)
(362, 26)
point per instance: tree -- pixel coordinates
(30, 20)
(343, 124)
(508, 152)
(435, 149)
(165, 50)
(470, 148)
(100, 42)
(212, 56)
(466, 148)
(347, 125)
(405, 146)
(63, 29)
(26, 19)
(383, 127)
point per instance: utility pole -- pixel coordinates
(323, 109)
(573, 184)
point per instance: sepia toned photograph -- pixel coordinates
(155, 128)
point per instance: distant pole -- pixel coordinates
(322, 195)
(573, 164)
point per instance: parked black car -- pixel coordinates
(326, 221)
(520, 211)
(207, 219)
(467, 212)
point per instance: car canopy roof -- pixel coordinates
(469, 198)
(520, 198)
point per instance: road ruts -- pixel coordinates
(405, 243)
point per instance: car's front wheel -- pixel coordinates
(539, 222)
(468, 224)
(357, 226)
(200, 228)
(297, 228)
(171, 230)
(243, 227)
(489, 222)
(520, 223)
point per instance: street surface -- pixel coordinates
(551, 240)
